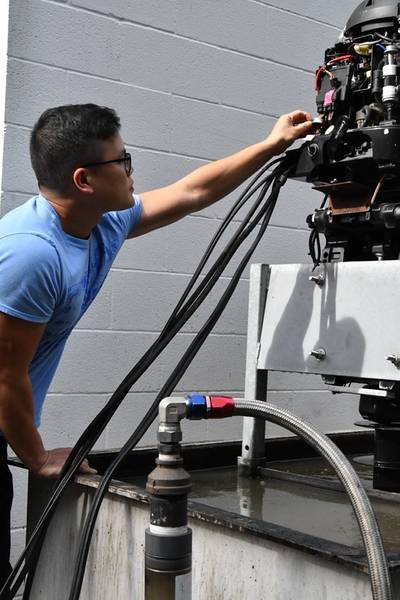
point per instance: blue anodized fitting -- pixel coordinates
(196, 407)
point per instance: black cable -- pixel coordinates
(314, 242)
(94, 430)
(85, 450)
(167, 389)
(218, 264)
(232, 213)
(94, 424)
(243, 238)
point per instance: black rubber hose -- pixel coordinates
(232, 213)
(165, 391)
(94, 428)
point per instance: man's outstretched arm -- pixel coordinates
(210, 183)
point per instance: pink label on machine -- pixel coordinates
(329, 98)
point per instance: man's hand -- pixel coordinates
(54, 462)
(289, 128)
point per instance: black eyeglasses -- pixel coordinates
(126, 159)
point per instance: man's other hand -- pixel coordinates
(289, 128)
(54, 462)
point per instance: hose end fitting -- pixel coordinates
(209, 407)
(196, 407)
(220, 407)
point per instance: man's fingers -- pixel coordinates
(304, 127)
(86, 468)
(299, 116)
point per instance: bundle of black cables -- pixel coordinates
(314, 242)
(259, 214)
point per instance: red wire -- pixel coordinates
(340, 58)
(318, 78)
(332, 62)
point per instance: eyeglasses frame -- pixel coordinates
(126, 159)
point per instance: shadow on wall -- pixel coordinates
(297, 332)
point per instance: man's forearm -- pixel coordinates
(16, 423)
(219, 178)
(216, 180)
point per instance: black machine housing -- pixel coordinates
(354, 160)
(355, 157)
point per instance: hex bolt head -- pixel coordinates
(317, 279)
(313, 150)
(319, 354)
(395, 360)
(169, 437)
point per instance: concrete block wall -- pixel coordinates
(192, 81)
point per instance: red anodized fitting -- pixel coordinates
(219, 407)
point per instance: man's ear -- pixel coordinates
(82, 180)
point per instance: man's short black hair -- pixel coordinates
(67, 137)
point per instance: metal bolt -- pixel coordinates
(395, 360)
(319, 354)
(317, 279)
(313, 150)
(169, 437)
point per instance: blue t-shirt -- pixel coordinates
(49, 276)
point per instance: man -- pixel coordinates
(57, 248)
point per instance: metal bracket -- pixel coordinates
(364, 391)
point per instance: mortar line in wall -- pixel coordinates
(292, 12)
(257, 57)
(78, 395)
(224, 105)
(19, 125)
(132, 393)
(132, 146)
(86, 73)
(192, 216)
(147, 89)
(156, 332)
(167, 273)
(174, 34)
(174, 273)
(304, 390)
(18, 529)
(30, 194)
(104, 15)
(220, 104)
(273, 225)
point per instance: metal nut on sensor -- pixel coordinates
(319, 354)
(317, 279)
(169, 437)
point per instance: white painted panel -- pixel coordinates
(354, 316)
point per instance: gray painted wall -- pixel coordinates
(192, 81)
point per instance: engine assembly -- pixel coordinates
(354, 158)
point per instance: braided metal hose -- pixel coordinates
(378, 567)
